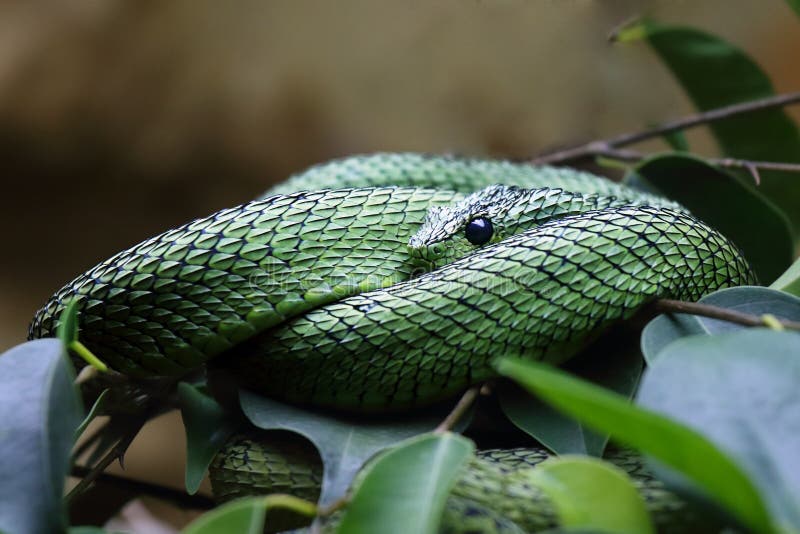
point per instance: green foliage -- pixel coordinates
(39, 412)
(739, 389)
(208, 426)
(344, 443)
(763, 235)
(756, 301)
(672, 443)
(618, 369)
(789, 281)
(406, 488)
(592, 494)
(714, 74)
(247, 516)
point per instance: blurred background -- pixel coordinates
(120, 119)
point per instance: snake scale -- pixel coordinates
(390, 281)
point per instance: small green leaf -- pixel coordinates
(208, 426)
(758, 301)
(67, 330)
(614, 363)
(247, 516)
(39, 412)
(790, 280)
(344, 443)
(98, 405)
(592, 494)
(714, 74)
(673, 444)
(740, 390)
(720, 199)
(677, 141)
(405, 488)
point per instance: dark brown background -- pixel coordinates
(121, 119)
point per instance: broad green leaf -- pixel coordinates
(715, 74)
(405, 488)
(345, 443)
(757, 301)
(738, 211)
(740, 389)
(39, 412)
(86, 530)
(247, 516)
(614, 363)
(790, 280)
(675, 445)
(592, 494)
(208, 426)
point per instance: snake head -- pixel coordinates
(452, 232)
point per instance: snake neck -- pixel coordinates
(507, 210)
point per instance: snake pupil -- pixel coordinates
(479, 231)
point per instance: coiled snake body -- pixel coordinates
(390, 281)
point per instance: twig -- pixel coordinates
(724, 314)
(459, 410)
(752, 166)
(684, 123)
(147, 488)
(116, 452)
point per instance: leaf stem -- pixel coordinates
(459, 410)
(724, 314)
(684, 123)
(81, 350)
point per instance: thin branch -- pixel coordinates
(116, 452)
(751, 166)
(724, 314)
(459, 410)
(684, 123)
(140, 487)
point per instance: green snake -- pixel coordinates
(391, 281)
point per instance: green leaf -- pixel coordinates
(670, 442)
(742, 214)
(247, 516)
(67, 330)
(86, 530)
(794, 4)
(714, 74)
(790, 280)
(97, 407)
(344, 443)
(406, 488)
(665, 329)
(592, 494)
(614, 363)
(39, 412)
(208, 426)
(677, 141)
(740, 389)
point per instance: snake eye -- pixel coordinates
(479, 231)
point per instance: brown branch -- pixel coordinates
(684, 123)
(459, 410)
(141, 487)
(724, 314)
(116, 452)
(752, 166)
